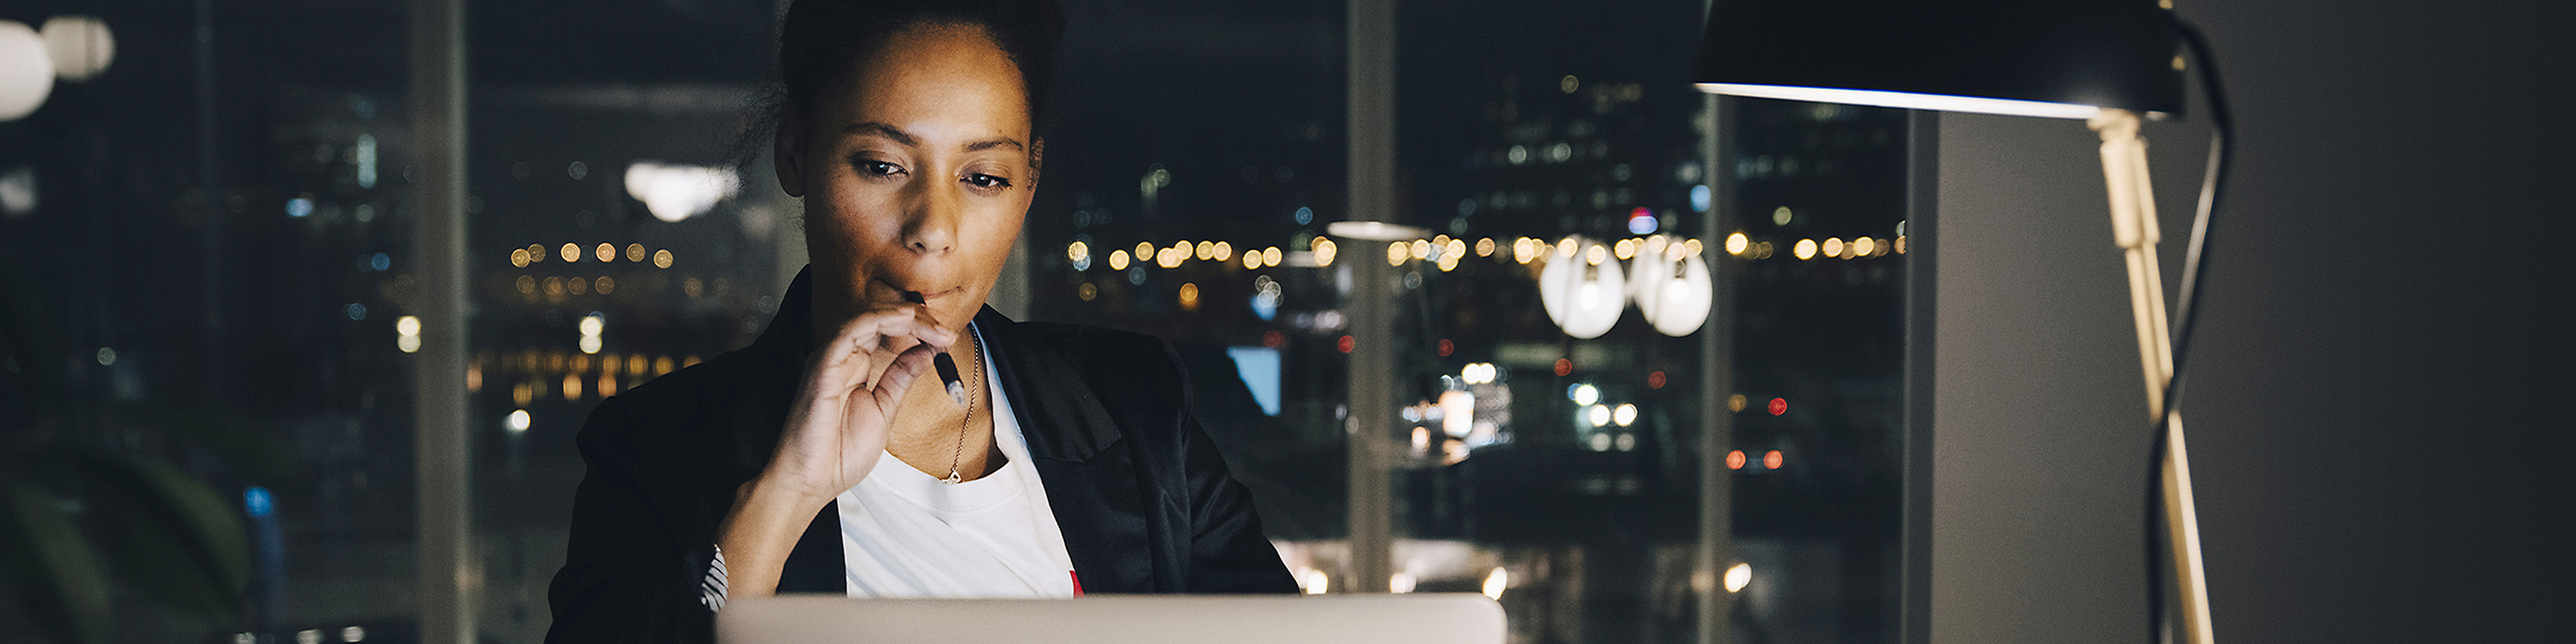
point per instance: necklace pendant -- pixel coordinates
(953, 477)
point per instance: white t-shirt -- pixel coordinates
(905, 533)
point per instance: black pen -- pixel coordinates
(947, 366)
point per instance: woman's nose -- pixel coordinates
(930, 225)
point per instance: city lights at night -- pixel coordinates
(1524, 360)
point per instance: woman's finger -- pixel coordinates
(908, 367)
(866, 332)
(842, 365)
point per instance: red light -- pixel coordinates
(1655, 380)
(1735, 460)
(1273, 339)
(1564, 367)
(1447, 347)
(1344, 343)
(1778, 405)
(1772, 459)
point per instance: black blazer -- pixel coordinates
(1144, 500)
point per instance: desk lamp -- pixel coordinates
(2111, 63)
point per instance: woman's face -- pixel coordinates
(916, 167)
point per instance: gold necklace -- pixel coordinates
(958, 458)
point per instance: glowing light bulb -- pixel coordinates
(1674, 291)
(1582, 297)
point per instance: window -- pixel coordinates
(1539, 339)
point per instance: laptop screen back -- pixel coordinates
(1440, 618)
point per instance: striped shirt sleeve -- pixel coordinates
(711, 588)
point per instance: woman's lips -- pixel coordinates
(911, 296)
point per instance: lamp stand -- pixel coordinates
(2134, 228)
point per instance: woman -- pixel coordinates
(826, 457)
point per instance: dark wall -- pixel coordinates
(2374, 415)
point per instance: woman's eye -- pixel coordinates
(987, 181)
(879, 168)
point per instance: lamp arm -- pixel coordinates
(2168, 478)
(2136, 231)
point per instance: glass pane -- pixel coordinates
(628, 225)
(205, 233)
(1566, 134)
(246, 260)
(1818, 192)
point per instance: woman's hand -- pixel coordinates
(837, 427)
(835, 431)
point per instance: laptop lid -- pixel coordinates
(1426, 618)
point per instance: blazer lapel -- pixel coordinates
(1090, 483)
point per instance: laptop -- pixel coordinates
(1423, 618)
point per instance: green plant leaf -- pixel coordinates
(149, 548)
(58, 577)
(173, 538)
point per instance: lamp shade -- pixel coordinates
(2060, 58)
